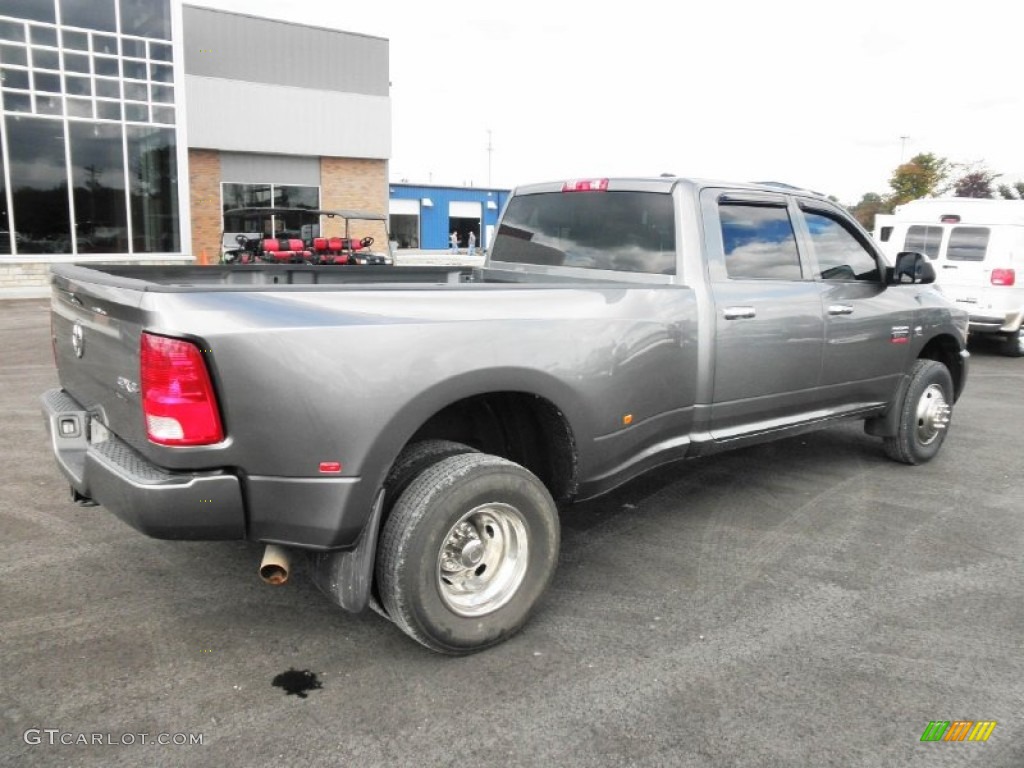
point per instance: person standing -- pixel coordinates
(472, 242)
(454, 240)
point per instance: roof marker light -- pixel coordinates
(585, 185)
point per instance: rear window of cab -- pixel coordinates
(618, 231)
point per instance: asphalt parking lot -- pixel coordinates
(805, 603)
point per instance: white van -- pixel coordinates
(978, 250)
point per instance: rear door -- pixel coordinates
(961, 269)
(867, 328)
(769, 330)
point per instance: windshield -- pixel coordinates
(621, 231)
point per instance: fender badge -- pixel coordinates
(78, 340)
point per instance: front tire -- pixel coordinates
(467, 552)
(925, 413)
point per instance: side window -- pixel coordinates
(923, 240)
(841, 256)
(967, 244)
(884, 234)
(759, 242)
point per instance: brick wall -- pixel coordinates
(21, 276)
(204, 200)
(356, 184)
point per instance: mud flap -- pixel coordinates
(887, 424)
(346, 577)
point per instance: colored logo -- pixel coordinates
(958, 730)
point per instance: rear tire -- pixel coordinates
(1013, 345)
(925, 412)
(468, 550)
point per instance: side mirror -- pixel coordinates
(911, 267)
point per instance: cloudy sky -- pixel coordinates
(790, 91)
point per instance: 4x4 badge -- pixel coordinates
(78, 340)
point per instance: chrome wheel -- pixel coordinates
(482, 560)
(932, 414)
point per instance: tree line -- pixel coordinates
(928, 175)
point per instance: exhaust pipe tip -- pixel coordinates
(275, 568)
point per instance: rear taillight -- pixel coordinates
(1003, 277)
(177, 395)
(585, 185)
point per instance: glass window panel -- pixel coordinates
(14, 54)
(153, 175)
(36, 10)
(10, 30)
(97, 174)
(79, 108)
(163, 115)
(162, 93)
(134, 48)
(110, 89)
(14, 78)
(39, 184)
(78, 41)
(246, 196)
(44, 36)
(105, 66)
(47, 82)
(136, 113)
(136, 92)
(134, 69)
(759, 242)
(91, 14)
(45, 59)
(622, 231)
(923, 239)
(5, 221)
(77, 86)
(17, 102)
(104, 44)
(49, 105)
(967, 244)
(76, 62)
(841, 256)
(160, 51)
(290, 225)
(108, 110)
(161, 73)
(146, 18)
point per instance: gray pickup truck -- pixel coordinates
(413, 431)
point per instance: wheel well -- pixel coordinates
(945, 350)
(518, 426)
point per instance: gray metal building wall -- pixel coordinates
(236, 47)
(258, 85)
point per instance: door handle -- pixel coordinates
(737, 313)
(949, 266)
(840, 309)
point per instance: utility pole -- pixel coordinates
(903, 146)
(490, 151)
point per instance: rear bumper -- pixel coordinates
(1008, 322)
(165, 505)
(218, 504)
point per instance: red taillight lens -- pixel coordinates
(1003, 277)
(586, 185)
(177, 395)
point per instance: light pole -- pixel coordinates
(903, 145)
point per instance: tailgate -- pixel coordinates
(96, 330)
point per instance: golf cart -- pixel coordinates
(295, 235)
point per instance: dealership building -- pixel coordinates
(129, 126)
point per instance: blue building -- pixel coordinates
(424, 216)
